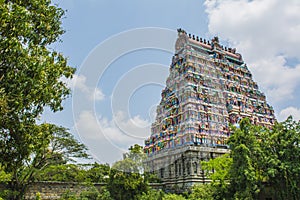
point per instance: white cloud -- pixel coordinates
(266, 32)
(108, 139)
(87, 126)
(277, 80)
(78, 83)
(98, 95)
(295, 112)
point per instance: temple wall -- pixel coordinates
(180, 168)
(54, 190)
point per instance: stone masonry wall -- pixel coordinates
(54, 190)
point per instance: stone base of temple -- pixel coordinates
(180, 168)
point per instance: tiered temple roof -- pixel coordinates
(209, 87)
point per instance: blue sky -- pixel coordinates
(122, 50)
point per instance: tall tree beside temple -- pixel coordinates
(281, 148)
(126, 180)
(246, 171)
(262, 162)
(265, 158)
(30, 78)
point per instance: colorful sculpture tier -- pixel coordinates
(209, 87)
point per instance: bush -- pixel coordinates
(68, 195)
(173, 197)
(105, 195)
(91, 194)
(37, 196)
(202, 192)
(152, 195)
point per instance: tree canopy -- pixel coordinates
(133, 160)
(31, 78)
(262, 162)
(281, 166)
(54, 147)
(126, 180)
(266, 158)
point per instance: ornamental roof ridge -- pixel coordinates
(210, 44)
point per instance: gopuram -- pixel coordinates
(209, 87)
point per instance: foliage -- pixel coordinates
(91, 194)
(202, 192)
(63, 143)
(173, 197)
(245, 177)
(126, 185)
(98, 173)
(152, 195)
(68, 195)
(105, 195)
(261, 160)
(266, 158)
(54, 146)
(4, 177)
(67, 172)
(126, 180)
(38, 196)
(219, 166)
(218, 170)
(281, 166)
(30, 79)
(132, 160)
(63, 173)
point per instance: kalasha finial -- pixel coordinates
(180, 30)
(215, 39)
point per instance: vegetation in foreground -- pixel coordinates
(259, 158)
(261, 161)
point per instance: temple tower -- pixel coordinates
(209, 87)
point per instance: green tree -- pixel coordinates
(126, 180)
(173, 197)
(63, 173)
(55, 145)
(152, 195)
(220, 167)
(261, 160)
(98, 173)
(133, 161)
(70, 172)
(90, 194)
(30, 79)
(265, 158)
(281, 147)
(126, 185)
(105, 195)
(4, 179)
(218, 170)
(68, 195)
(202, 192)
(246, 153)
